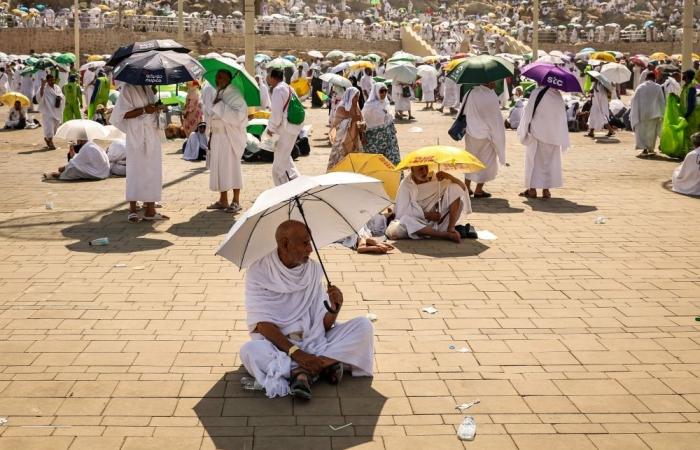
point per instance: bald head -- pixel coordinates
(293, 243)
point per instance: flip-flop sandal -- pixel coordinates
(133, 218)
(482, 194)
(216, 205)
(300, 388)
(527, 194)
(546, 196)
(334, 373)
(156, 216)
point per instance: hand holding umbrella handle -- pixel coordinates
(337, 305)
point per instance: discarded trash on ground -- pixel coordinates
(120, 265)
(340, 427)
(415, 130)
(601, 220)
(372, 317)
(49, 205)
(99, 242)
(467, 429)
(429, 309)
(486, 235)
(251, 384)
(465, 406)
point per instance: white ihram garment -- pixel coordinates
(486, 133)
(91, 161)
(686, 177)
(545, 136)
(292, 299)
(116, 152)
(144, 159)
(51, 117)
(283, 168)
(195, 142)
(229, 119)
(646, 114)
(428, 86)
(600, 110)
(451, 93)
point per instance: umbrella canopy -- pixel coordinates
(335, 54)
(280, 63)
(552, 76)
(373, 165)
(403, 56)
(449, 67)
(158, 67)
(81, 130)
(601, 78)
(426, 70)
(335, 205)
(444, 156)
(114, 134)
(336, 79)
(361, 65)
(602, 56)
(616, 73)
(241, 79)
(44, 63)
(658, 56)
(261, 58)
(65, 58)
(668, 68)
(92, 65)
(372, 57)
(341, 67)
(401, 72)
(481, 69)
(640, 60)
(9, 99)
(315, 54)
(143, 47)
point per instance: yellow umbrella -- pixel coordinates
(362, 65)
(261, 115)
(10, 98)
(301, 87)
(93, 58)
(104, 7)
(446, 157)
(373, 165)
(658, 56)
(603, 56)
(679, 57)
(454, 63)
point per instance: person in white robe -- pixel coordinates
(86, 161)
(228, 113)
(196, 145)
(116, 153)
(545, 135)
(366, 83)
(89, 77)
(27, 87)
(428, 85)
(51, 104)
(136, 114)
(294, 338)
(686, 177)
(485, 137)
(450, 95)
(672, 85)
(646, 114)
(402, 93)
(515, 114)
(429, 206)
(599, 116)
(264, 93)
(17, 118)
(279, 128)
(4, 81)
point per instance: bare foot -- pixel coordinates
(454, 236)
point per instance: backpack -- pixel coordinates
(295, 110)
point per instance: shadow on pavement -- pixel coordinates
(124, 237)
(38, 150)
(204, 224)
(493, 206)
(558, 206)
(668, 185)
(440, 248)
(236, 419)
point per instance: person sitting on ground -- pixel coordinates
(116, 153)
(364, 241)
(86, 161)
(686, 177)
(428, 206)
(294, 338)
(17, 119)
(515, 114)
(196, 146)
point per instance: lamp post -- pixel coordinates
(249, 12)
(688, 34)
(180, 21)
(76, 33)
(535, 28)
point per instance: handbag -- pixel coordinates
(459, 126)
(406, 92)
(57, 102)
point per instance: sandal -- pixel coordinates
(546, 194)
(333, 373)
(217, 205)
(482, 194)
(156, 216)
(133, 218)
(300, 388)
(526, 193)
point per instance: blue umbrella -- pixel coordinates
(648, 23)
(145, 46)
(261, 57)
(587, 49)
(158, 68)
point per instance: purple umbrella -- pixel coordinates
(552, 76)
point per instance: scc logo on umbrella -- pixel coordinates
(554, 81)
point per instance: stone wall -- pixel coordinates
(414, 44)
(646, 48)
(20, 41)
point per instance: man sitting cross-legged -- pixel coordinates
(295, 339)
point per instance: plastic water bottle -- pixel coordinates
(467, 429)
(99, 242)
(250, 384)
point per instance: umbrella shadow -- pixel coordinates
(494, 206)
(558, 206)
(204, 224)
(236, 419)
(663, 158)
(606, 140)
(38, 150)
(440, 248)
(124, 237)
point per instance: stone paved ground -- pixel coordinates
(582, 335)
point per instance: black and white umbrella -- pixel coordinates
(158, 68)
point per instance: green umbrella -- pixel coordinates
(242, 80)
(280, 63)
(481, 69)
(372, 57)
(45, 63)
(256, 126)
(403, 56)
(65, 58)
(170, 98)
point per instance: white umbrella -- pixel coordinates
(81, 130)
(426, 70)
(315, 54)
(212, 55)
(114, 134)
(341, 67)
(601, 78)
(334, 205)
(615, 72)
(92, 65)
(333, 78)
(280, 63)
(335, 54)
(401, 72)
(229, 55)
(550, 59)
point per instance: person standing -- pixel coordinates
(599, 117)
(89, 77)
(545, 134)
(51, 104)
(381, 131)
(401, 94)
(192, 115)
(100, 94)
(74, 99)
(229, 118)
(428, 85)
(136, 114)
(689, 107)
(486, 135)
(283, 168)
(450, 95)
(646, 114)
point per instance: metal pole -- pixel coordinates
(180, 21)
(688, 34)
(249, 11)
(76, 33)
(535, 28)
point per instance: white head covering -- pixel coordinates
(374, 95)
(376, 111)
(350, 93)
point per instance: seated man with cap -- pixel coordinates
(196, 145)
